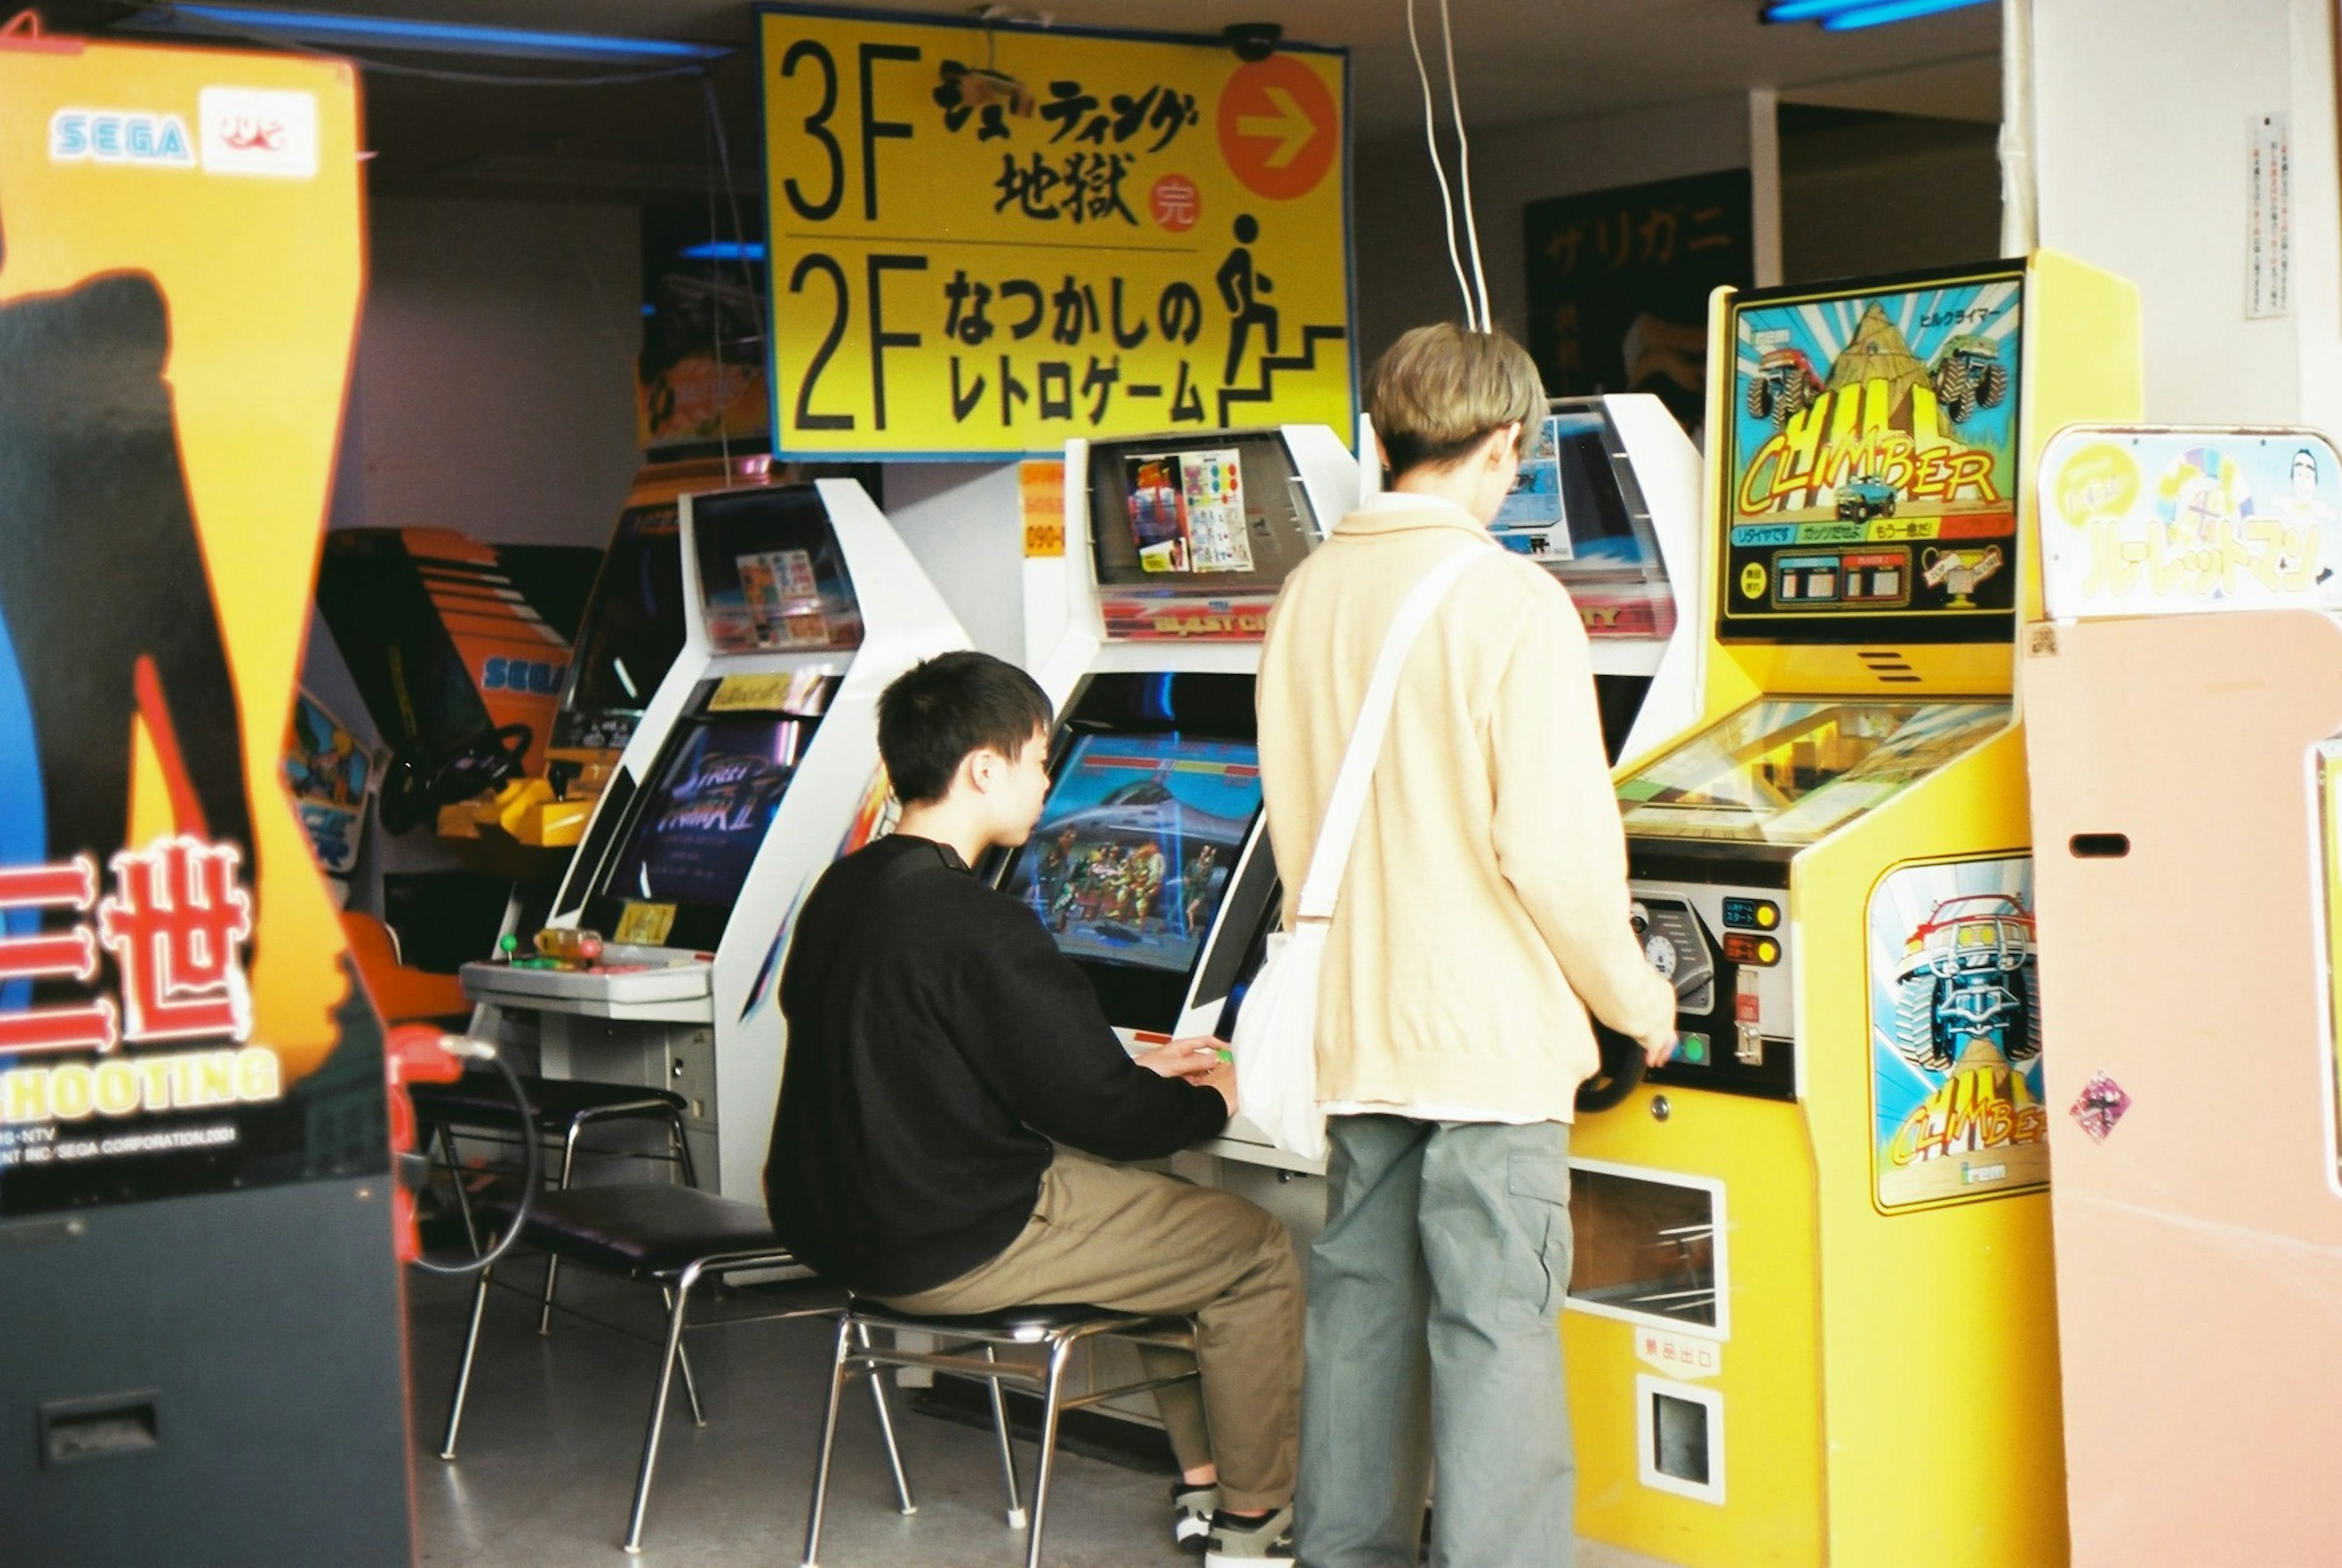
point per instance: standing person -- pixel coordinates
(1483, 913)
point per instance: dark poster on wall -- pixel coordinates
(1619, 282)
(700, 381)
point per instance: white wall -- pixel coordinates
(1404, 277)
(2141, 115)
(494, 385)
(964, 524)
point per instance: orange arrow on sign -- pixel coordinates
(1290, 127)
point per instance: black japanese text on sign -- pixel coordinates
(984, 241)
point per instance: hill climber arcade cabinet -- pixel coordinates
(1812, 1317)
(1609, 501)
(2184, 721)
(197, 1278)
(754, 766)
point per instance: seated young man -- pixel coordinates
(948, 1071)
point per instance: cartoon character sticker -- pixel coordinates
(2144, 521)
(1955, 1034)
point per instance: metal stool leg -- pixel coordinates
(903, 1498)
(681, 1297)
(1058, 1352)
(552, 1263)
(1016, 1514)
(828, 1444)
(464, 1369)
(682, 1148)
(683, 1359)
(447, 1139)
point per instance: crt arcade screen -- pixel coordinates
(696, 829)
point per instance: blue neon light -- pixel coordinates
(1887, 11)
(724, 250)
(1808, 10)
(464, 37)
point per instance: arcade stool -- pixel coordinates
(1058, 1329)
(561, 1108)
(675, 1237)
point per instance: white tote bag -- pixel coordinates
(1276, 1043)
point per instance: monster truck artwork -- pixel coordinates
(1967, 974)
(1861, 499)
(1784, 386)
(1969, 376)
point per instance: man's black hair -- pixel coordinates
(938, 712)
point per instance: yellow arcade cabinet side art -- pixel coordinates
(1812, 1317)
(194, 1156)
(2182, 696)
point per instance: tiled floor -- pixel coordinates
(554, 1428)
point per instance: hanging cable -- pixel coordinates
(1463, 172)
(1438, 172)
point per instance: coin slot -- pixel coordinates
(2099, 845)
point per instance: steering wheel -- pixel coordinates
(1623, 1063)
(486, 761)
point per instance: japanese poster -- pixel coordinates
(1955, 1034)
(987, 238)
(1618, 284)
(1872, 461)
(1186, 512)
(2143, 521)
(179, 290)
(700, 374)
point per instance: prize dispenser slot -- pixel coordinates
(1646, 1248)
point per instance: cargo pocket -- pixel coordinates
(1538, 1189)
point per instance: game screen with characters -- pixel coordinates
(1576, 511)
(1871, 464)
(1229, 517)
(704, 815)
(1137, 846)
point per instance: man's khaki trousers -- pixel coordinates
(1141, 1241)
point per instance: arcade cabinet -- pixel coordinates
(197, 1278)
(2183, 699)
(1609, 501)
(1812, 1316)
(629, 633)
(460, 669)
(744, 780)
(1151, 863)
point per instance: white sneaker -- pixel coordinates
(1231, 1544)
(1191, 1516)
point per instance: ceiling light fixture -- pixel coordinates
(724, 250)
(1846, 15)
(340, 30)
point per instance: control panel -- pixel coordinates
(1725, 950)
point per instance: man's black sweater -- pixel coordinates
(938, 1043)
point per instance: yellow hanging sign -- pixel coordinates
(985, 240)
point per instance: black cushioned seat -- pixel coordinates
(481, 1098)
(1019, 1321)
(651, 1227)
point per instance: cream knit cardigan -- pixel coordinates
(1484, 909)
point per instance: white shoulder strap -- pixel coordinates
(1331, 855)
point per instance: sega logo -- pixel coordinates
(119, 136)
(533, 676)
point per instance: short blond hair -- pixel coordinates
(1439, 391)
